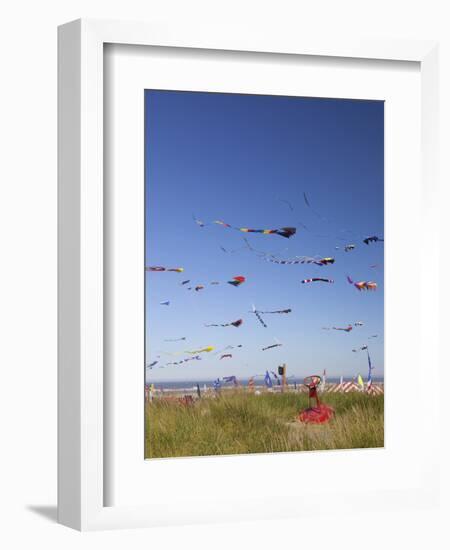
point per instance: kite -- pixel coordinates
(152, 364)
(362, 285)
(202, 350)
(272, 346)
(185, 282)
(217, 385)
(359, 324)
(160, 268)
(236, 324)
(259, 313)
(345, 329)
(200, 223)
(318, 279)
(319, 413)
(175, 339)
(195, 358)
(286, 232)
(227, 348)
(301, 260)
(165, 303)
(360, 349)
(226, 356)
(372, 239)
(236, 281)
(349, 247)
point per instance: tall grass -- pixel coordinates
(238, 423)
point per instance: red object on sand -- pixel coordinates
(320, 413)
(316, 415)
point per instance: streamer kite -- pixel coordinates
(207, 349)
(259, 314)
(175, 339)
(226, 348)
(286, 232)
(318, 279)
(161, 268)
(372, 239)
(362, 285)
(272, 346)
(301, 260)
(349, 328)
(151, 365)
(195, 358)
(236, 324)
(165, 303)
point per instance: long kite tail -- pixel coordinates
(236, 324)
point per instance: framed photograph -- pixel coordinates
(240, 329)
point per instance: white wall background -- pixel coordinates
(28, 267)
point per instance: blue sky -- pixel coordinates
(237, 158)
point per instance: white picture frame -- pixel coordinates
(81, 405)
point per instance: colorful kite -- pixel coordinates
(318, 279)
(236, 324)
(202, 350)
(372, 239)
(362, 285)
(160, 268)
(286, 232)
(236, 281)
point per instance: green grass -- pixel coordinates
(238, 423)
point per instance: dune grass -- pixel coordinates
(239, 423)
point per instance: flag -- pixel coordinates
(360, 382)
(230, 379)
(369, 378)
(268, 380)
(217, 384)
(276, 377)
